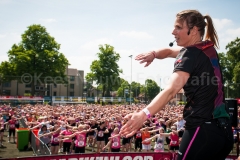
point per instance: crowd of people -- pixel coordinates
(71, 128)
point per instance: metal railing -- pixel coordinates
(23, 123)
(39, 148)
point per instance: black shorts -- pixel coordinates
(138, 143)
(91, 133)
(2, 130)
(54, 144)
(174, 148)
(126, 140)
(12, 132)
(79, 149)
(208, 141)
(100, 139)
(115, 149)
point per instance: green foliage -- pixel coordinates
(135, 89)
(124, 85)
(230, 65)
(88, 87)
(36, 55)
(152, 89)
(105, 71)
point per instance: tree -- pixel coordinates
(124, 85)
(88, 88)
(230, 65)
(152, 89)
(135, 89)
(37, 56)
(105, 71)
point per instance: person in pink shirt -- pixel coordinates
(11, 124)
(66, 142)
(114, 141)
(55, 135)
(80, 138)
(174, 143)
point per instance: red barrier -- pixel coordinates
(35, 132)
(109, 156)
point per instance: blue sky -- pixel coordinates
(131, 26)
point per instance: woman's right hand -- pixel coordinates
(146, 57)
(134, 122)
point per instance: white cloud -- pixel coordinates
(93, 45)
(233, 32)
(5, 2)
(4, 58)
(227, 31)
(127, 53)
(2, 35)
(230, 35)
(135, 34)
(81, 62)
(49, 20)
(222, 23)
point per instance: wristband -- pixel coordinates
(154, 54)
(146, 111)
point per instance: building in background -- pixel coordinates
(73, 88)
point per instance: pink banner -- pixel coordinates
(21, 97)
(110, 156)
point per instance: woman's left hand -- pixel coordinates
(134, 122)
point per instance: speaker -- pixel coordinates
(231, 107)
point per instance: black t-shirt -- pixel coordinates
(204, 86)
(100, 132)
(93, 126)
(106, 135)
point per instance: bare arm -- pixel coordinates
(154, 131)
(135, 120)
(177, 81)
(46, 134)
(149, 139)
(159, 54)
(167, 53)
(165, 134)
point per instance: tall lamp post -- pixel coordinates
(130, 81)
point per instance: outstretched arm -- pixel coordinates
(135, 120)
(159, 54)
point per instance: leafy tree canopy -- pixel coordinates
(105, 71)
(230, 65)
(36, 56)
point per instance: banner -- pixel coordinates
(20, 98)
(109, 156)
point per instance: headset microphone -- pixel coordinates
(171, 43)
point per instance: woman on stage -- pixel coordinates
(208, 133)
